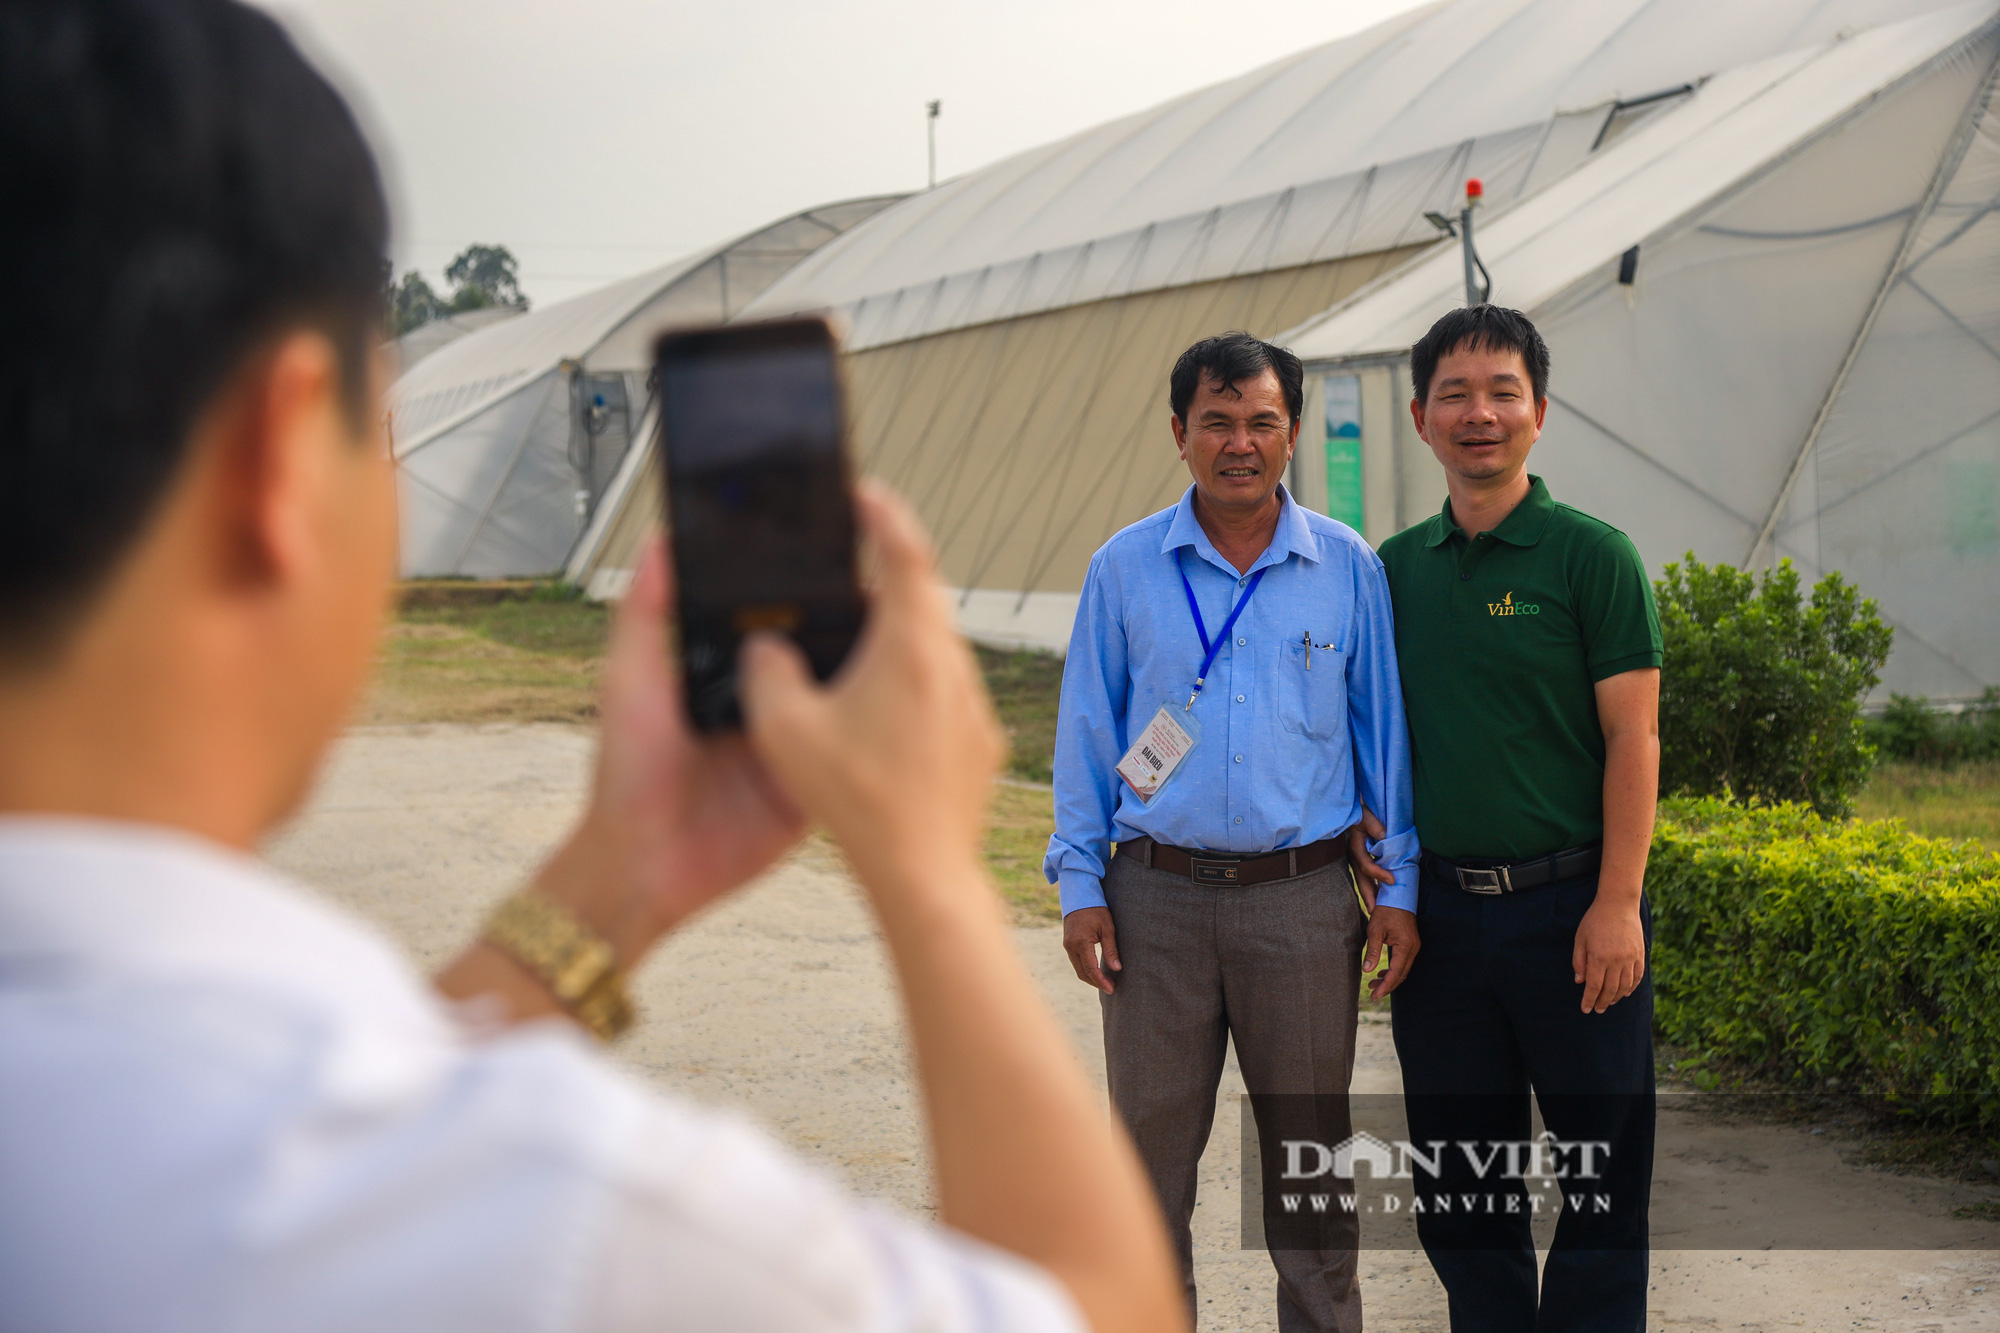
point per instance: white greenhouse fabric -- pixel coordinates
(1906, 495)
(510, 439)
(463, 377)
(1768, 211)
(420, 342)
(1334, 151)
(1737, 123)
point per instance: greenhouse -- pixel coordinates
(510, 440)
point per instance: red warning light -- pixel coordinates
(1475, 188)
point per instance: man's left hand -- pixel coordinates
(1610, 955)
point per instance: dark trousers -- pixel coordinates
(1490, 1010)
(1276, 965)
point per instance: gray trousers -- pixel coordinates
(1278, 967)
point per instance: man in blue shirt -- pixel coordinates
(1230, 700)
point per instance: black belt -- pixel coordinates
(1231, 867)
(1513, 876)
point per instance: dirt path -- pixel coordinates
(779, 1001)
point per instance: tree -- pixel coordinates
(484, 275)
(1761, 690)
(412, 303)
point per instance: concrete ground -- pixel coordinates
(779, 1001)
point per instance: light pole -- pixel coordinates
(1478, 290)
(1475, 293)
(930, 124)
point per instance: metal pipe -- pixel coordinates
(1475, 293)
(1465, 245)
(930, 125)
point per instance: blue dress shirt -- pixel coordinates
(1286, 754)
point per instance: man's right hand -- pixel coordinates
(1083, 931)
(1391, 930)
(896, 755)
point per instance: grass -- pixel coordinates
(1025, 688)
(511, 650)
(528, 651)
(1016, 839)
(1958, 802)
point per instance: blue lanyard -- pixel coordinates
(1209, 650)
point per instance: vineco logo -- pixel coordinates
(1507, 606)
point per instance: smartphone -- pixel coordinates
(759, 500)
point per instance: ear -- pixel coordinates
(1292, 441)
(1180, 435)
(1541, 415)
(277, 434)
(1417, 415)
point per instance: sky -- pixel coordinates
(598, 138)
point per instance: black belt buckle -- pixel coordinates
(1210, 871)
(1494, 881)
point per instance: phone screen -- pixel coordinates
(760, 511)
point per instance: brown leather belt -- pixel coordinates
(1229, 868)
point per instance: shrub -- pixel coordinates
(1809, 948)
(1760, 690)
(1911, 730)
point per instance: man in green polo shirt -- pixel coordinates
(1530, 652)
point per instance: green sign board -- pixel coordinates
(1343, 448)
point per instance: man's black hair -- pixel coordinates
(1230, 358)
(181, 188)
(1480, 328)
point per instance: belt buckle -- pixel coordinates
(1206, 870)
(1494, 881)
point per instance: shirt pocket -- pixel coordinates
(1312, 694)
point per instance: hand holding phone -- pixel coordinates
(759, 501)
(897, 758)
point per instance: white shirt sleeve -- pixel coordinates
(716, 1226)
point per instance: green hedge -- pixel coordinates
(1909, 729)
(1810, 949)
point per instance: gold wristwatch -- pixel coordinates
(572, 960)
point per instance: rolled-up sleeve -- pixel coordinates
(1380, 732)
(1090, 738)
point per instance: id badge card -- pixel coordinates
(1157, 753)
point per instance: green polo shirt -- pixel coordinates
(1501, 640)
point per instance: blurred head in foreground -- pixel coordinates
(197, 508)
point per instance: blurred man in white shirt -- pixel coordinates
(224, 1105)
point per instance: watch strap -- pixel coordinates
(576, 963)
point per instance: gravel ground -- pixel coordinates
(779, 1001)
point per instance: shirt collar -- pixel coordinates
(1294, 536)
(1523, 527)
